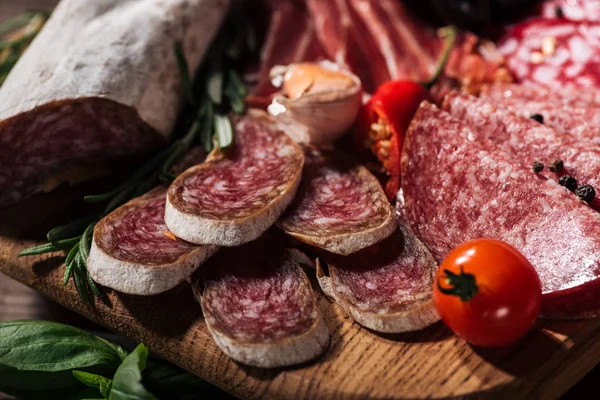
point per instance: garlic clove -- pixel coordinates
(317, 103)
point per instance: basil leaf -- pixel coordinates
(127, 382)
(94, 380)
(49, 347)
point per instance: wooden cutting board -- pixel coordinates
(428, 364)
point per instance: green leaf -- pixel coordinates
(70, 263)
(127, 382)
(223, 131)
(74, 228)
(214, 86)
(94, 380)
(86, 241)
(59, 245)
(80, 279)
(50, 347)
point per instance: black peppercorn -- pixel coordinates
(537, 167)
(557, 166)
(537, 117)
(559, 12)
(586, 193)
(568, 181)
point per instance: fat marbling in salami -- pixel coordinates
(340, 206)
(259, 306)
(525, 139)
(554, 52)
(568, 95)
(98, 85)
(236, 195)
(386, 287)
(134, 252)
(456, 188)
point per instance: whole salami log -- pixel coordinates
(568, 95)
(554, 52)
(455, 188)
(98, 85)
(134, 252)
(259, 306)
(340, 206)
(386, 287)
(526, 140)
(583, 124)
(235, 196)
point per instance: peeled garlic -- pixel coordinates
(317, 103)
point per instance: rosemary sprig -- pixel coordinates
(217, 90)
(15, 36)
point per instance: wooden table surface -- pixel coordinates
(432, 363)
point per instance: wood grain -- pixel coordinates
(359, 363)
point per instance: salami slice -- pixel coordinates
(98, 85)
(235, 196)
(134, 252)
(576, 10)
(259, 306)
(583, 124)
(526, 140)
(340, 206)
(386, 287)
(554, 52)
(456, 189)
(569, 95)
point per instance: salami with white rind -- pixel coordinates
(235, 196)
(526, 140)
(340, 206)
(386, 287)
(259, 306)
(456, 187)
(99, 84)
(133, 251)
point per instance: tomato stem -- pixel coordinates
(462, 285)
(449, 35)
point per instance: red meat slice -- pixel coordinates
(576, 10)
(455, 189)
(569, 95)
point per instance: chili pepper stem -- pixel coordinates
(462, 285)
(449, 34)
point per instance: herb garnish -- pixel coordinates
(216, 91)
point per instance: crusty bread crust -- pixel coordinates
(291, 350)
(411, 316)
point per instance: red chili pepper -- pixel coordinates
(384, 119)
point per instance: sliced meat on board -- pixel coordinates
(340, 206)
(237, 194)
(386, 287)
(554, 52)
(134, 252)
(259, 306)
(581, 123)
(98, 85)
(568, 95)
(576, 10)
(456, 188)
(525, 139)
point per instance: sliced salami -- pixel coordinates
(583, 124)
(236, 195)
(569, 95)
(134, 252)
(386, 287)
(97, 86)
(554, 52)
(259, 306)
(576, 10)
(526, 140)
(455, 189)
(340, 206)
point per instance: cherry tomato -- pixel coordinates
(487, 292)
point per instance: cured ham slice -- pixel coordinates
(237, 194)
(259, 306)
(340, 206)
(455, 188)
(554, 52)
(97, 86)
(386, 287)
(525, 139)
(134, 252)
(569, 95)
